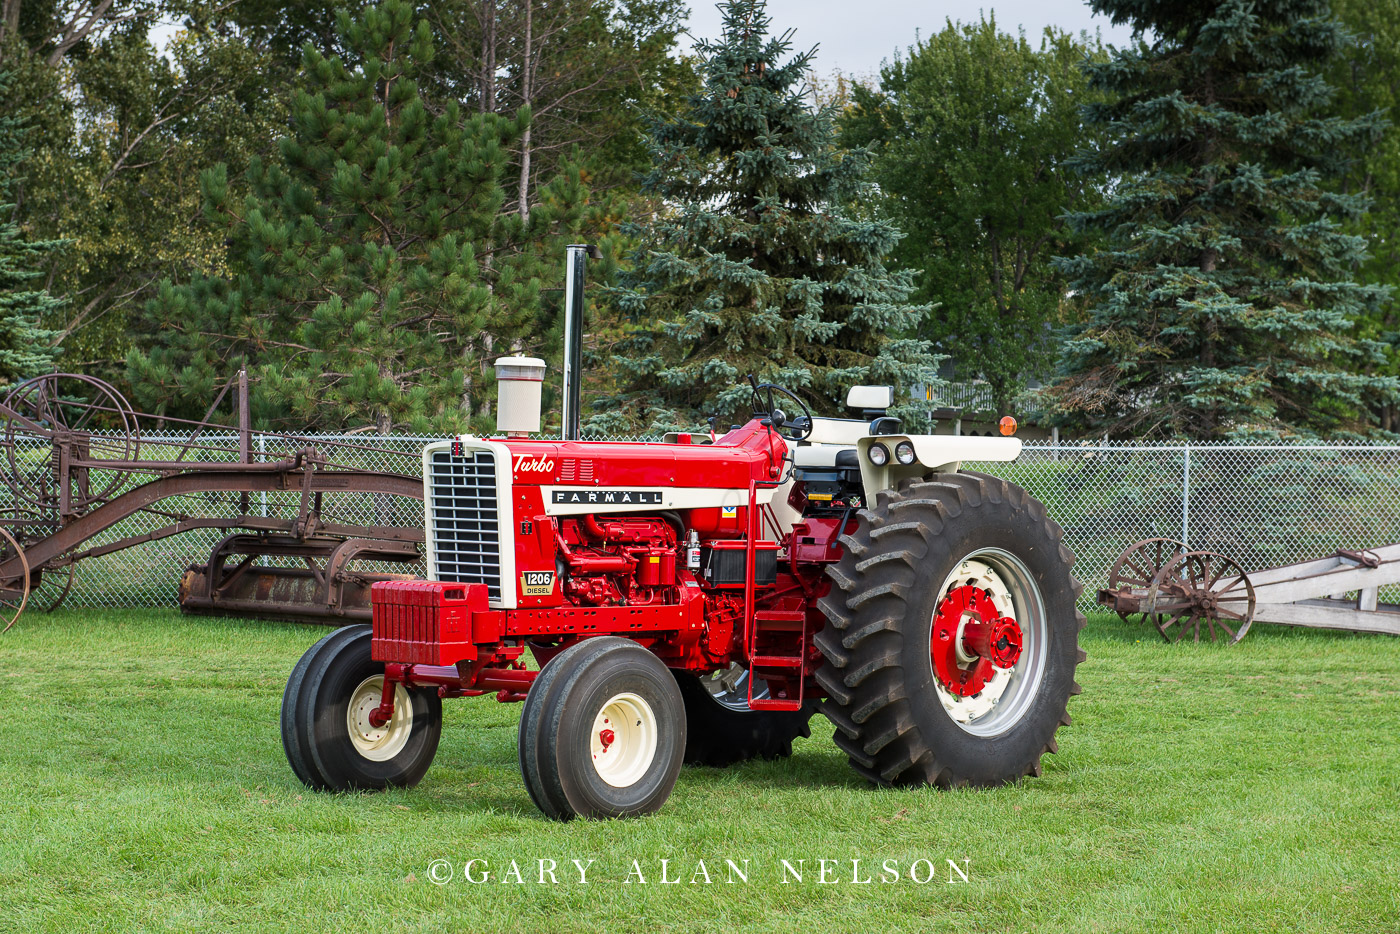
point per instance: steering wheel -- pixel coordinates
(797, 429)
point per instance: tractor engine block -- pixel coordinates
(620, 561)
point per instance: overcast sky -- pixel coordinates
(856, 35)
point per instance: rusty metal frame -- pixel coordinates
(244, 478)
(213, 587)
(53, 523)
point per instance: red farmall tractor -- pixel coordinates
(698, 600)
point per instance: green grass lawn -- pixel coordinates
(1200, 788)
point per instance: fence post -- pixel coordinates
(262, 457)
(1186, 497)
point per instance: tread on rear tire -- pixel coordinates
(718, 736)
(895, 720)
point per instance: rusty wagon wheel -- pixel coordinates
(1138, 566)
(14, 588)
(49, 587)
(1197, 586)
(47, 410)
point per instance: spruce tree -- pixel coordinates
(1367, 77)
(25, 348)
(1222, 301)
(378, 268)
(758, 266)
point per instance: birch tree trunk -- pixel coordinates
(526, 94)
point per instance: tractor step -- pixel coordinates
(789, 628)
(781, 620)
(775, 703)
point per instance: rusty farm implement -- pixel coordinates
(1179, 591)
(74, 473)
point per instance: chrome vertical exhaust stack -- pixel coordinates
(575, 268)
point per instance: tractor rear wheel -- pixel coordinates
(603, 732)
(953, 638)
(326, 732)
(720, 727)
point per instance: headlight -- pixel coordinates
(879, 455)
(904, 453)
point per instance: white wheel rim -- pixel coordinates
(624, 740)
(1008, 693)
(378, 743)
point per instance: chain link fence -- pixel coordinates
(1261, 505)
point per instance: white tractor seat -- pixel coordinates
(843, 432)
(818, 455)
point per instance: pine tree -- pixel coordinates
(25, 347)
(1222, 301)
(379, 269)
(760, 268)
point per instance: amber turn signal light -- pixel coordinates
(1008, 425)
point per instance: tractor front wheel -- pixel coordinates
(603, 732)
(952, 636)
(327, 733)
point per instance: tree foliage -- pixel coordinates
(123, 131)
(971, 132)
(374, 267)
(25, 348)
(759, 268)
(1222, 301)
(582, 67)
(1367, 77)
(585, 68)
(120, 135)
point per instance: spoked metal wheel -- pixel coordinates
(1201, 586)
(1138, 566)
(66, 406)
(50, 587)
(988, 641)
(14, 588)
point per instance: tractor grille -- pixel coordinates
(465, 529)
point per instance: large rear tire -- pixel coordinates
(721, 729)
(908, 712)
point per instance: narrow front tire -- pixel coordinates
(603, 732)
(327, 734)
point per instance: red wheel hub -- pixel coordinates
(968, 619)
(606, 737)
